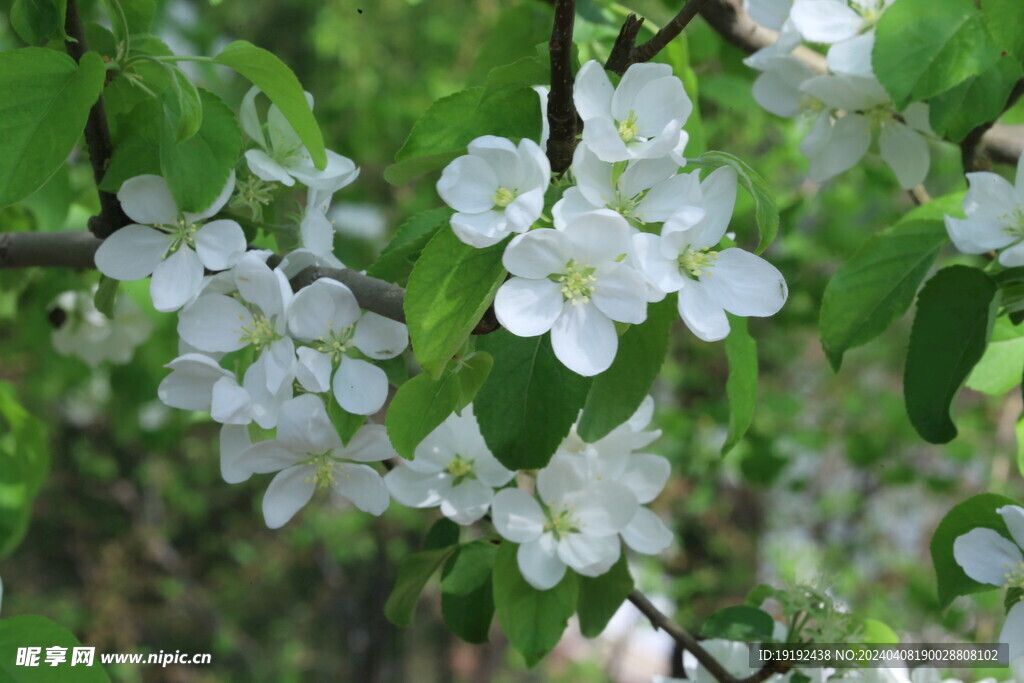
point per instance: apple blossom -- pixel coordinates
(577, 525)
(574, 282)
(452, 468)
(642, 118)
(88, 334)
(172, 246)
(995, 217)
(683, 259)
(308, 454)
(326, 316)
(497, 189)
(835, 21)
(280, 155)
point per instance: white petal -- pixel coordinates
(517, 516)
(360, 387)
(324, 308)
(986, 556)
(527, 308)
(976, 235)
(662, 272)
(190, 384)
(768, 13)
(467, 501)
(220, 244)
(777, 90)
(634, 81)
(265, 168)
(646, 476)
(278, 361)
(646, 533)
(539, 563)
(843, 145)
(745, 284)
(565, 476)
(825, 21)
(602, 137)
(906, 152)
(604, 508)
(593, 177)
(500, 155)
(231, 404)
(132, 253)
(584, 339)
(718, 199)
(592, 92)
(1013, 515)
(468, 185)
(415, 489)
(362, 485)
(339, 172)
(598, 236)
(215, 323)
(589, 555)
(234, 440)
(991, 197)
(571, 205)
(645, 174)
(480, 230)
(369, 444)
(289, 491)
(660, 102)
(146, 199)
(259, 285)
(379, 337)
(536, 254)
(853, 57)
(524, 210)
(702, 315)
(304, 426)
(218, 202)
(265, 405)
(269, 456)
(249, 119)
(1013, 631)
(317, 232)
(848, 93)
(176, 280)
(1013, 256)
(620, 294)
(679, 194)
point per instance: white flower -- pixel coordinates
(578, 525)
(220, 323)
(574, 282)
(642, 118)
(778, 91)
(282, 157)
(172, 246)
(1013, 631)
(789, 38)
(234, 441)
(88, 334)
(995, 217)
(647, 190)
(834, 21)
(709, 282)
(452, 468)
(326, 315)
(308, 454)
(316, 230)
(769, 13)
(497, 189)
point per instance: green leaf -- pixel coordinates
(528, 402)
(978, 511)
(741, 387)
(197, 169)
(190, 106)
(106, 296)
(397, 259)
(139, 14)
(925, 47)
(441, 534)
(515, 35)
(452, 122)
(955, 312)
(978, 100)
(601, 596)
(877, 285)
(450, 288)
(35, 631)
(759, 593)
(528, 71)
(1002, 366)
(35, 20)
(24, 463)
(50, 203)
(467, 595)
(1005, 21)
(413, 573)
(765, 211)
(533, 620)
(137, 145)
(616, 393)
(874, 631)
(741, 622)
(278, 82)
(1019, 433)
(472, 373)
(419, 407)
(46, 100)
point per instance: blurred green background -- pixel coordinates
(138, 545)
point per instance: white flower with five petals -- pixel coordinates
(452, 468)
(574, 282)
(995, 217)
(497, 189)
(308, 454)
(172, 246)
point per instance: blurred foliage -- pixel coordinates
(138, 545)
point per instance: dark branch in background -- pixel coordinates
(561, 110)
(972, 152)
(625, 53)
(72, 249)
(97, 136)
(622, 51)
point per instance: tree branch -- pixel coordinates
(668, 33)
(622, 51)
(561, 110)
(97, 136)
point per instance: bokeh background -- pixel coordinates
(137, 545)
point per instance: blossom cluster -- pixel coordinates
(847, 107)
(629, 231)
(994, 220)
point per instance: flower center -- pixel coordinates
(182, 233)
(869, 13)
(1014, 575)
(253, 193)
(335, 344)
(503, 197)
(561, 523)
(811, 105)
(461, 469)
(1014, 222)
(695, 263)
(628, 129)
(577, 282)
(259, 333)
(324, 468)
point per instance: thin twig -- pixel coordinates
(561, 110)
(97, 136)
(621, 55)
(669, 32)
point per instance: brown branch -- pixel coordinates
(97, 136)
(73, 249)
(622, 51)
(669, 32)
(561, 109)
